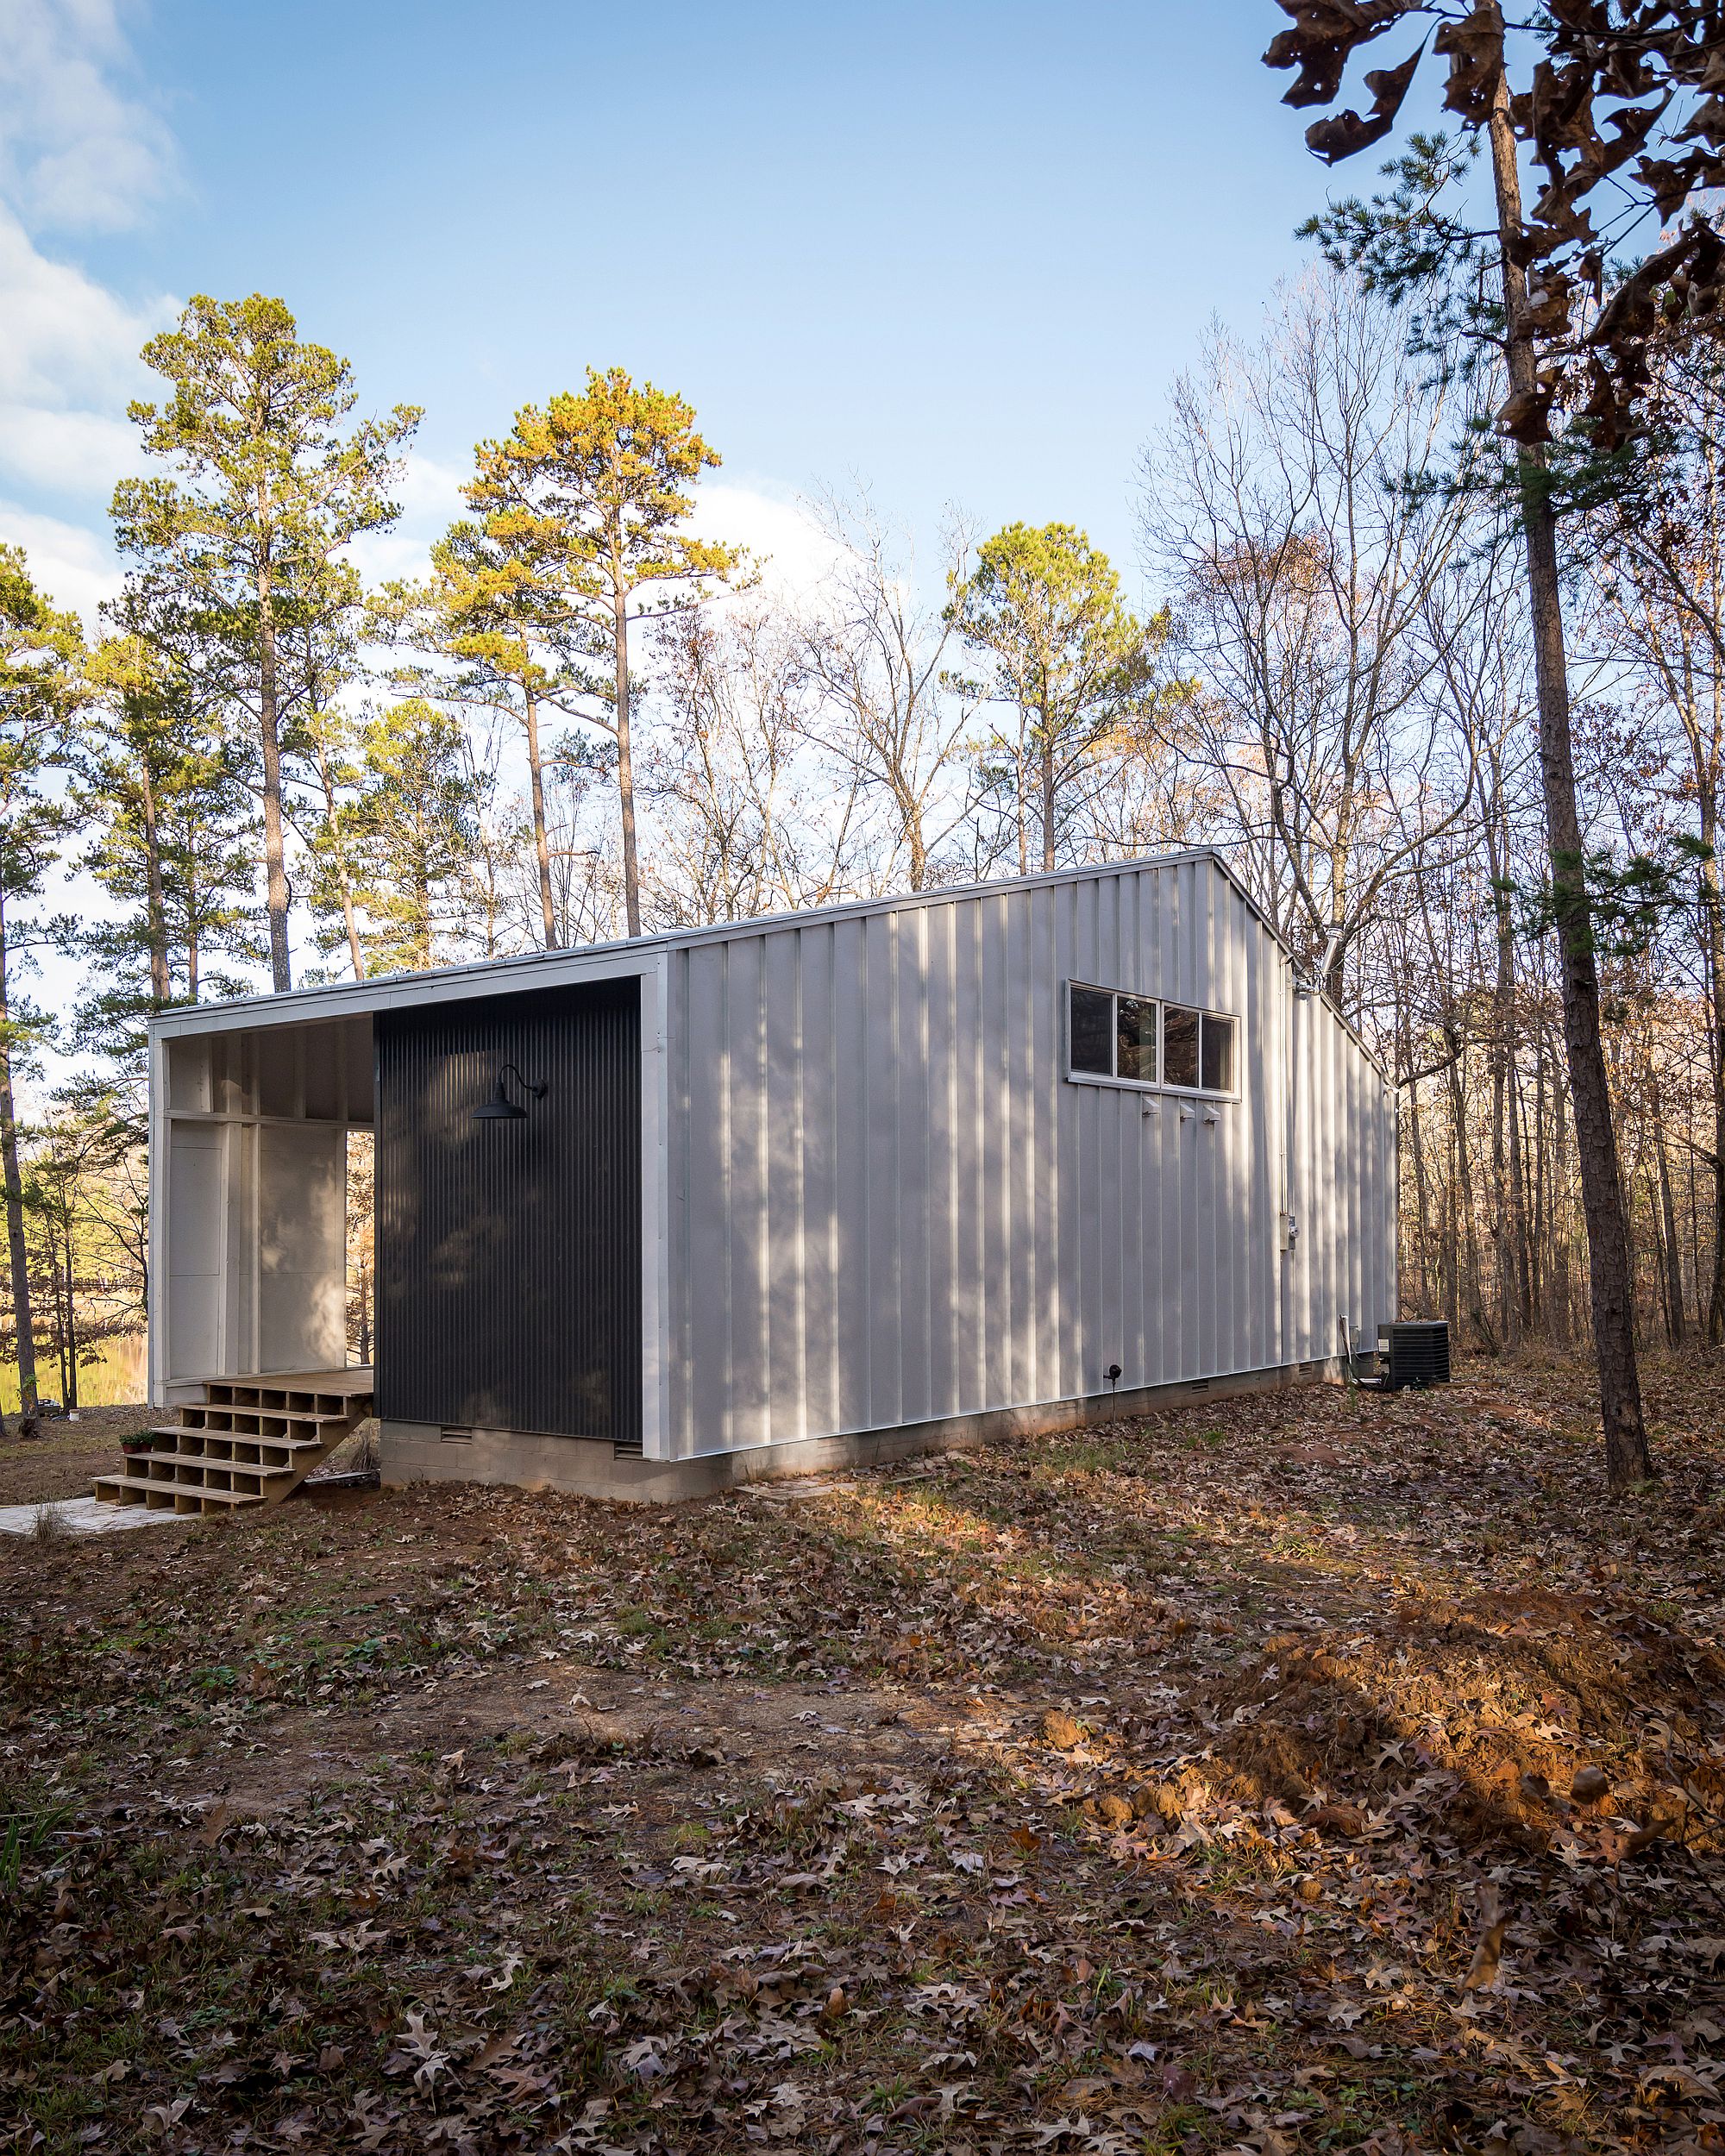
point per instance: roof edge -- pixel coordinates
(526, 970)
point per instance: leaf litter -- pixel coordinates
(1308, 1770)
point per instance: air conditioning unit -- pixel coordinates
(1414, 1352)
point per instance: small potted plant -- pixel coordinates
(140, 1441)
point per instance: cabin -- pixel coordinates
(656, 1216)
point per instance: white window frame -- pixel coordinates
(1159, 1084)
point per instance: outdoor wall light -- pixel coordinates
(500, 1108)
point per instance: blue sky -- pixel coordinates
(956, 253)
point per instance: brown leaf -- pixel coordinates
(1525, 416)
(1324, 33)
(1177, 2084)
(1060, 1731)
(214, 1826)
(1482, 1973)
(1345, 133)
(1591, 1783)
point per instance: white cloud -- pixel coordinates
(68, 340)
(430, 494)
(76, 153)
(792, 550)
(789, 546)
(73, 567)
(68, 365)
(66, 452)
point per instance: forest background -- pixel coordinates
(267, 729)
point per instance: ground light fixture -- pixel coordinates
(500, 1108)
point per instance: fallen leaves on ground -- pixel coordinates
(1308, 1770)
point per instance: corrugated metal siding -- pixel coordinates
(509, 1253)
(887, 1205)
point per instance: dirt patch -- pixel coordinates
(61, 1463)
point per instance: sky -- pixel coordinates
(951, 253)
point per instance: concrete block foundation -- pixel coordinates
(418, 1452)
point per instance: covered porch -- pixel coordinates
(421, 1198)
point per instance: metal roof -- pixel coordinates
(637, 954)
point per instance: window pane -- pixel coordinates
(1135, 1029)
(1092, 1031)
(1179, 1046)
(1219, 1054)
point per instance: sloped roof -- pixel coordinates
(635, 953)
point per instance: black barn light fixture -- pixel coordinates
(500, 1108)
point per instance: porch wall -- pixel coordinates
(249, 1158)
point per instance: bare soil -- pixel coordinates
(61, 1463)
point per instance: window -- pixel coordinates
(1179, 1046)
(1198, 1049)
(1134, 1040)
(1092, 1031)
(1216, 1055)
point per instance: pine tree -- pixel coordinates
(171, 845)
(410, 831)
(579, 535)
(1066, 655)
(41, 683)
(238, 564)
(1656, 64)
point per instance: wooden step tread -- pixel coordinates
(176, 1435)
(226, 1429)
(127, 1490)
(200, 1459)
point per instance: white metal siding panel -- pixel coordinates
(783, 1166)
(819, 1107)
(850, 1027)
(890, 1205)
(915, 1187)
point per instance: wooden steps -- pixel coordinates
(249, 1442)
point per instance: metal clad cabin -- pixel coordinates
(822, 1187)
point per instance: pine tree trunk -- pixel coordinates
(69, 1388)
(14, 1198)
(542, 843)
(1047, 794)
(1620, 1394)
(625, 767)
(156, 923)
(269, 728)
(350, 925)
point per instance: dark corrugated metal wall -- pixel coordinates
(509, 1253)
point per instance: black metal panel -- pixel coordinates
(509, 1253)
